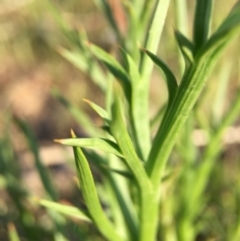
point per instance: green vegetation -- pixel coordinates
(156, 183)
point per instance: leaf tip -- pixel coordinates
(72, 133)
(57, 140)
(86, 100)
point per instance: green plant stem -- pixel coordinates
(149, 202)
(201, 22)
(146, 65)
(188, 92)
(177, 113)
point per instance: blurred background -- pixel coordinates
(32, 69)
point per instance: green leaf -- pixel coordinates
(202, 21)
(12, 233)
(181, 22)
(137, 110)
(114, 67)
(151, 42)
(187, 94)
(153, 36)
(99, 110)
(91, 198)
(168, 75)
(103, 164)
(119, 131)
(65, 209)
(227, 31)
(123, 208)
(93, 143)
(185, 46)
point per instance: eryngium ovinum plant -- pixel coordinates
(135, 163)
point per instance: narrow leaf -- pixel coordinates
(202, 20)
(118, 128)
(153, 35)
(114, 67)
(187, 94)
(65, 209)
(227, 31)
(93, 143)
(90, 196)
(168, 75)
(186, 47)
(99, 110)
